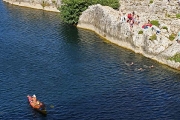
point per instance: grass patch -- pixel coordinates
(164, 27)
(140, 32)
(155, 22)
(151, 1)
(153, 37)
(178, 16)
(175, 58)
(167, 15)
(172, 36)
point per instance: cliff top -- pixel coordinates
(165, 12)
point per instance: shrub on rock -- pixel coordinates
(175, 58)
(153, 37)
(172, 37)
(155, 22)
(70, 10)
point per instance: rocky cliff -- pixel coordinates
(49, 5)
(106, 22)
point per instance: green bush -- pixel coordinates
(178, 16)
(164, 27)
(153, 37)
(70, 10)
(140, 32)
(172, 36)
(151, 1)
(155, 22)
(175, 58)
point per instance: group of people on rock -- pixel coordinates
(133, 19)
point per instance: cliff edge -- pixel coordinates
(107, 22)
(48, 5)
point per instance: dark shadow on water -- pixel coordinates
(69, 33)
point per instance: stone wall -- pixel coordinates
(106, 22)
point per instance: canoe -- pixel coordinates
(38, 107)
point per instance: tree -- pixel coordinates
(71, 10)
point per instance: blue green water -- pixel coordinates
(76, 74)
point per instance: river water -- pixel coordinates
(76, 74)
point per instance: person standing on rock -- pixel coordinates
(122, 16)
(137, 20)
(179, 2)
(178, 37)
(156, 29)
(120, 12)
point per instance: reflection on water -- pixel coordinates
(76, 73)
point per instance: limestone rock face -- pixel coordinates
(107, 22)
(49, 5)
(54, 3)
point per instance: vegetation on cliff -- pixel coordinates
(172, 36)
(140, 32)
(178, 16)
(155, 22)
(153, 37)
(176, 58)
(72, 9)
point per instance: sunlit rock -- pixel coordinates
(105, 21)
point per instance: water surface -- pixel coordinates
(76, 74)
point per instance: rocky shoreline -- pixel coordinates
(35, 5)
(105, 21)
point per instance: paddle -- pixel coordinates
(51, 106)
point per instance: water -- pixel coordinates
(76, 74)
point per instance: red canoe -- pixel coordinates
(39, 107)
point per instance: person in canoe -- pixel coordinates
(34, 99)
(36, 103)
